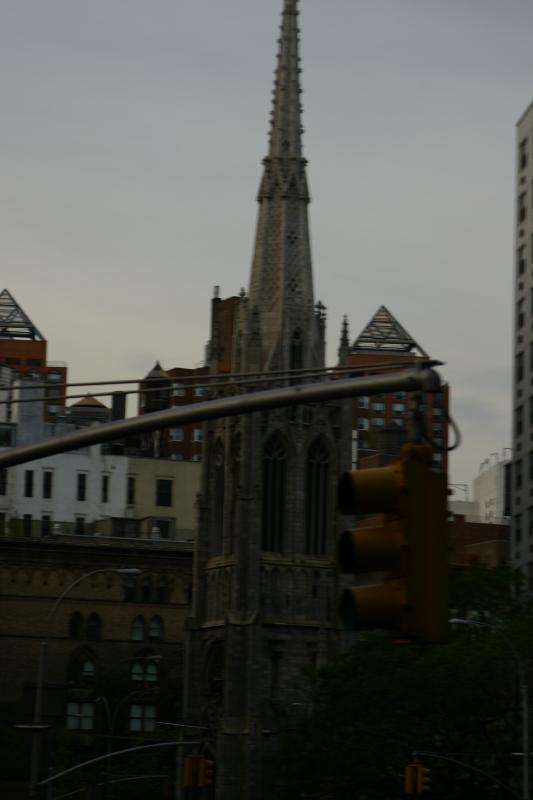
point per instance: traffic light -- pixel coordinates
(423, 779)
(409, 778)
(408, 546)
(206, 774)
(191, 770)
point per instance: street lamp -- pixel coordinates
(37, 727)
(524, 696)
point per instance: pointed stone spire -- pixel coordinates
(344, 343)
(286, 126)
(281, 283)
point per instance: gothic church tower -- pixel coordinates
(265, 576)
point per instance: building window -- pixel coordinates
(131, 490)
(518, 474)
(178, 390)
(522, 154)
(176, 434)
(75, 626)
(144, 671)
(155, 629)
(138, 629)
(88, 671)
(521, 260)
(196, 457)
(519, 366)
(94, 627)
(522, 208)
(198, 435)
(46, 524)
(26, 524)
(7, 436)
(316, 498)
(362, 424)
(363, 402)
(199, 391)
(380, 407)
(378, 422)
(274, 493)
(79, 526)
(518, 528)
(519, 419)
(398, 408)
(219, 489)
(3, 481)
(163, 492)
(105, 488)
(400, 395)
(520, 314)
(81, 486)
(28, 483)
(142, 717)
(47, 483)
(399, 422)
(54, 377)
(80, 716)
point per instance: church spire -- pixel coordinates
(281, 282)
(286, 128)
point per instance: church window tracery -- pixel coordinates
(316, 498)
(219, 491)
(274, 494)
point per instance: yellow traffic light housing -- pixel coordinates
(206, 774)
(423, 779)
(409, 546)
(409, 778)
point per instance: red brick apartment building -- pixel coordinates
(24, 350)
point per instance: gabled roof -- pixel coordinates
(384, 333)
(14, 323)
(89, 401)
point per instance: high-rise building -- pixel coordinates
(265, 607)
(24, 350)
(522, 480)
(381, 423)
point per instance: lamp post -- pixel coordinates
(524, 697)
(37, 727)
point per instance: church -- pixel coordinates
(266, 582)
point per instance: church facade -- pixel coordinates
(265, 603)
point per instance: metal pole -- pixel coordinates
(524, 695)
(37, 724)
(426, 380)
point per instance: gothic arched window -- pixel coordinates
(75, 626)
(296, 360)
(218, 505)
(138, 629)
(316, 498)
(155, 629)
(274, 494)
(94, 627)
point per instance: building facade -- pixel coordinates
(382, 423)
(24, 350)
(265, 604)
(522, 472)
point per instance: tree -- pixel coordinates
(369, 710)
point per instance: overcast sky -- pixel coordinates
(130, 145)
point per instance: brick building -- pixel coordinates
(382, 423)
(114, 654)
(24, 350)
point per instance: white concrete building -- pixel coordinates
(490, 489)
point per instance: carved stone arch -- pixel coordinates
(317, 472)
(274, 494)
